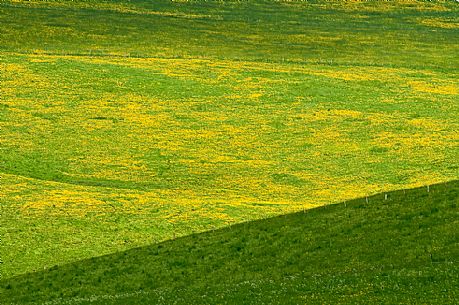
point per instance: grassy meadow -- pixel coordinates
(399, 250)
(125, 124)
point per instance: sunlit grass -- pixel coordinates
(119, 133)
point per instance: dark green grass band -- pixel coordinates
(393, 248)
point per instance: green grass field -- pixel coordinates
(402, 250)
(128, 123)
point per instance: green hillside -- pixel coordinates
(128, 123)
(399, 250)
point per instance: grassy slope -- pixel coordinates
(151, 119)
(403, 250)
(399, 33)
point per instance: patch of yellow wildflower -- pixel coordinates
(426, 87)
(440, 23)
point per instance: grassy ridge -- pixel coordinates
(398, 33)
(399, 250)
(155, 119)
